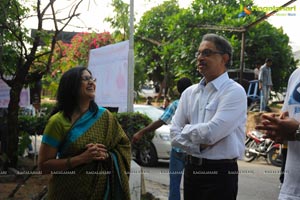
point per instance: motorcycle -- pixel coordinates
(257, 146)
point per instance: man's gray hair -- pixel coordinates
(221, 44)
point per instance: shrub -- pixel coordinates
(32, 124)
(131, 123)
(47, 108)
(29, 125)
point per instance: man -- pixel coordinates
(177, 157)
(287, 127)
(209, 124)
(265, 84)
(256, 70)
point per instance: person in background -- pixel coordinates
(177, 157)
(83, 145)
(287, 128)
(166, 103)
(149, 101)
(265, 84)
(209, 124)
(256, 71)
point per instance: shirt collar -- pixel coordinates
(216, 83)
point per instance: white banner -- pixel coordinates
(4, 96)
(109, 64)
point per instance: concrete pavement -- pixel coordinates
(257, 180)
(158, 190)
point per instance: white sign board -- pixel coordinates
(109, 64)
(4, 96)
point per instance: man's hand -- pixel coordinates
(137, 136)
(259, 85)
(282, 128)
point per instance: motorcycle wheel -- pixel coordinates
(274, 157)
(248, 156)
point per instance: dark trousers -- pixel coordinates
(211, 181)
(282, 170)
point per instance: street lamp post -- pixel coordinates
(131, 61)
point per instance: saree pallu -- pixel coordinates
(107, 180)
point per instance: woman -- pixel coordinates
(83, 145)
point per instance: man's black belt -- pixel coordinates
(203, 161)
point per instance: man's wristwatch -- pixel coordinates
(297, 134)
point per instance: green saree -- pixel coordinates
(107, 180)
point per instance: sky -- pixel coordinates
(288, 20)
(93, 15)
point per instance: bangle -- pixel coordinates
(69, 166)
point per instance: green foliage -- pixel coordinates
(28, 125)
(24, 142)
(265, 41)
(139, 75)
(12, 35)
(32, 124)
(120, 21)
(47, 108)
(177, 34)
(154, 43)
(133, 122)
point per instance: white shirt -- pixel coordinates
(256, 73)
(291, 184)
(213, 114)
(265, 76)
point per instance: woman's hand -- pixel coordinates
(94, 152)
(48, 162)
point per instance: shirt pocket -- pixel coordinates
(210, 109)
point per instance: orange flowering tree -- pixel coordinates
(68, 55)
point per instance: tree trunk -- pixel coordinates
(12, 134)
(162, 86)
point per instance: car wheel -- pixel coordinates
(147, 156)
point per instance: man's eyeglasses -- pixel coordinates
(88, 78)
(207, 53)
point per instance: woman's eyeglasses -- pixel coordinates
(207, 53)
(88, 78)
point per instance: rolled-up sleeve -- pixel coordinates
(225, 118)
(179, 121)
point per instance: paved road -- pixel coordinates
(257, 180)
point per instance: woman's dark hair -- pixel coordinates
(68, 92)
(221, 44)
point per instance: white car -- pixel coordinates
(148, 92)
(160, 146)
